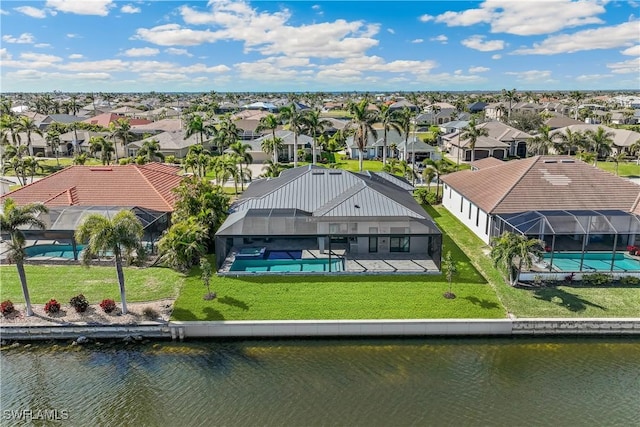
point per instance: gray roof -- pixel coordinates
(168, 141)
(287, 138)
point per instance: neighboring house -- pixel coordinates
(545, 197)
(259, 105)
(503, 141)
(476, 107)
(5, 185)
(363, 218)
(129, 112)
(79, 140)
(560, 122)
(77, 191)
(163, 125)
(402, 104)
(288, 142)
(172, 143)
(454, 126)
(106, 119)
(622, 138)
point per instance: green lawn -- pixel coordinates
(560, 301)
(96, 283)
(627, 169)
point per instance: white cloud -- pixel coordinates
(127, 8)
(41, 45)
(496, 56)
(441, 38)
(592, 77)
(625, 67)
(4, 54)
(24, 38)
(105, 65)
(632, 51)
(32, 12)
(417, 41)
(82, 7)
(426, 18)
(175, 35)
(3, 12)
(141, 51)
(175, 51)
(30, 74)
(391, 31)
(478, 43)
(532, 76)
(76, 56)
(473, 70)
(73, 36)
(600, 38)
(526, 18)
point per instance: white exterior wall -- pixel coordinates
(453, 201)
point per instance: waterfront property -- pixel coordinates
(569, 205)
(357, 222)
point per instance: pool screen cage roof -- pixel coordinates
(572, 222)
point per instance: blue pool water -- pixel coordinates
(287, 265)
(593, 261)
(52, 250)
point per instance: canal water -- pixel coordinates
(390, 382)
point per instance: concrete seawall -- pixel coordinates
(331, 328)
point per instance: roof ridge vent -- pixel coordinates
(103, 169)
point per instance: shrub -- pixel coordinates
(7, 307)
(630, 281)
(80, 303)
(597, 279)
(52, 307)
(125, 161)
(149, 313)
(108, 305)
(425, 196)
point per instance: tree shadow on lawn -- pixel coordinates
(565, 299)
(483, 303)
(233, 302)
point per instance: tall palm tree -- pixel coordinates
(53, 140)
(315, 125)
(634, 149)
(196, 126)
(511, 246)
(12, 218)
(294, 119)
(388, 120)
(511, 96)
(227, 134)
(269, 122)
(197, 158)
(577, 96)
(28, 126)
(272, 169)
(600, 142)
(121, 235)
(121, 129)
(362, 120)
(98, 144)
(403, 120)
(440, 167)
(150, 150)
(241, 150)
(569, 140)
(617, 158)
(542, 142)
(472, 132)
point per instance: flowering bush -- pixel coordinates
(80, 303)
(52, 306)
(108, 305)
(6, 307)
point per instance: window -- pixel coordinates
(477, 216)
(486, 226)
(399, 244)
(373, 244)
(469, 209)
(461, 203)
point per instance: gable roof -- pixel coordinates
(621, 137)
(147, 186)
(106, 118)
(543, 183)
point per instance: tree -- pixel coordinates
(241, 150)
(150, 150)
(183, 244)
(270, 122)
(272, 146)
(12, 218)
(198, 159)
(205, 268)
(511, 96)
(196, 126)
(577, 96)
(472, 132)
(600, 142)
(511, 246)
(634, 149)
(403, 119)
(98, 144)
(388, 120)
(362, 120)
(440, 167)
(449, 269)
(121, 235)
(620, 157)
(294, 118)
(53, 140)
(313, 124)
(121, 129)
(28, 126)
(272, 169)
(542, 142)
(227, 134)
(569, 140)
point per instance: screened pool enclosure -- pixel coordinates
(579, 240)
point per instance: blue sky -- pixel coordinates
(230, 45)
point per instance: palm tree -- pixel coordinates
(269, 122)
(362, 120)
(196, 126)
(121, 235)
(294, 118)
(440, 167)
(272, 169)
(272, 146)
(98, 144)
(197, 158)
(227, 134)
(577, 96)
(569, 140)
(620, 157)
(542, 141)
(121, 129)
(28, 126)
(241, 150)
(510, 95)
(150, 150)
(634, 149)
(183, 243)
(315, 125)
(600, 142)
(511, 246)
(388, 120)
(472, 132)
(53, 140)
(12, 218)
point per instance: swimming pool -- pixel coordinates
(52, 251)
(593, 261)
(287, 265)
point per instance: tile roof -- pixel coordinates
(147, 186)
(106, 118)
(621, 137)
(544, 183)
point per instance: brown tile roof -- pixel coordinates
(106, 118)
(544, 183)
(487, 162)
(147, 186)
